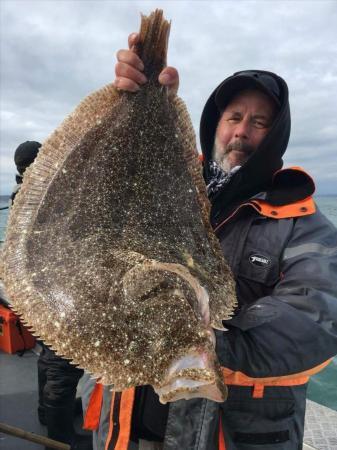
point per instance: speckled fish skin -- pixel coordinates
(109, 243)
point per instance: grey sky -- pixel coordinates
(53, 53)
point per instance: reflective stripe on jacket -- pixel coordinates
(259, 384)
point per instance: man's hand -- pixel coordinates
(129, 71)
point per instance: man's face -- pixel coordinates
(244, 123)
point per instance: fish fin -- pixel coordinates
(152, 46)
(191, 156)
(51, 156)
(219, 310)
(38, 176)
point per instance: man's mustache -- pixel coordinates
(241, 146)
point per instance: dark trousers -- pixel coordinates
(57, 380)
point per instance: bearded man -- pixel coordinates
(283, 254)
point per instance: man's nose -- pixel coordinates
(242, 129)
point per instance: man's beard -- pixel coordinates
(221, 155)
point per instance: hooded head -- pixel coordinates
(25, 155)
(257, 170)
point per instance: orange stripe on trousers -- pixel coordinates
(93, 413)
(222, 445)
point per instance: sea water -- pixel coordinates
(323, 386)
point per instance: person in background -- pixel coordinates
(23, 157)
(57, 378)
(283, 254)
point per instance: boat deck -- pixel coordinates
(320, 427)
(19, 398)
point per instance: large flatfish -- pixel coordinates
(109, 255)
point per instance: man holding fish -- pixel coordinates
(283, 254)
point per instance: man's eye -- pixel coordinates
(260, 124)
(233, 119)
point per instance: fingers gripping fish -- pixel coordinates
(109, 254)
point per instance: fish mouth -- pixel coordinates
(195, 375)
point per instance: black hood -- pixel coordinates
(256, 174)
(25, 154)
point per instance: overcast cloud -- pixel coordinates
(53, 53)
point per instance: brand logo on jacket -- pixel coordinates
(259, 260)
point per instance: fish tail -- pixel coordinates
(152, 45)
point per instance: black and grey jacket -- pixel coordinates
(286, 324)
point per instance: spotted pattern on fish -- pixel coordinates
(109, 245)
